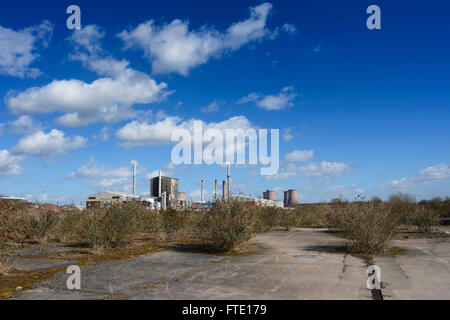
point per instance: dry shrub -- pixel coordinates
(368, 226)
(172, 220)
(5, 267)
(316, 215)
(225, 227)
(424, 218)
(112, 226)
(268, 218)
(41, 228)
(402, 206)
(13, 225)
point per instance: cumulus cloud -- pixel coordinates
(300, 155)
(24, 125)
(174, 48)
(104, 177)
(282, 100)
(138, 133)
(18, 49)
(325, 169)
(286, 135)
(43, 144)
(431, 174)
(212, 107)
(107, 99)
(289, 28)
(9, 164)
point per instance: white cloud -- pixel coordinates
(212, 107)
(196, 195)
(103, 134)
(108, 99)
(42, 144)
(138, 133)
(18, 49)
(279, 101)
(317, 49)
(300, 155)
(324, 169)
(174, 48)
(431, 174)
(290, 171)
(9, 164)
(103, 177)
(24, 125)
(286, 135)
(289, 28)
(167, 171)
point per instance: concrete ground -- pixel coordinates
(288, 265)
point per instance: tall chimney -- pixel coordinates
(159, 184)
(224, 185)
(134, 164)
(215, 190)
(202, 183)
(228, 180)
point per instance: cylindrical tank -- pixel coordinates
(182, 196)
(292, 197)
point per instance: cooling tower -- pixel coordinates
(286, 198)
(182, 196)
(292, 197)
(270, 195)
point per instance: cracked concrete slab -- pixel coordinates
(272, 273)
(422, 271)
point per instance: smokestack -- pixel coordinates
(134, 164)
(286, 198)
(159, 184)
(202, 182)
(215, 190)
(228, 181)
(224, 185)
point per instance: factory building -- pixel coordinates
(102, 199)
(254, 202)
(165, 185)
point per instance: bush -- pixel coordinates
(12, 225)
(402, 206)
(424, 218)
(40, 227)
(171, 220)
(225, 227)
(112, 226)
(316, 215)
(268, 218)
(368, 226)
(69, 227)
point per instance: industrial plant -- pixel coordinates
(164, 193)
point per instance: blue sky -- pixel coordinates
(359, 111)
